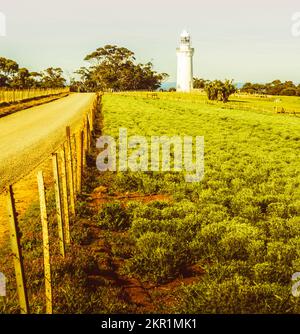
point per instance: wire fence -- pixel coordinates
(67, 163)
(8, 95)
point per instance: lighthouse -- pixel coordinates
(185, 55)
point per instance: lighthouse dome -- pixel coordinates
(185, 34)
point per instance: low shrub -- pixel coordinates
(233, 240)
(235, 296)
(81, 234)
(83, 210)
(158, 257)
(271, 272)
(114, 216)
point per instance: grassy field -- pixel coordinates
(241, 224)
(148, 242)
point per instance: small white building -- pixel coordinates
(185, 55)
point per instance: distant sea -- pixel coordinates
(239, 85)
(168, 85)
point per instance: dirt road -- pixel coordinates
(29, 136)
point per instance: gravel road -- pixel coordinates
(29, 136)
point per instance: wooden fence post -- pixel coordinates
(65, 196)
(74, 159)
(46, 247)
(17, 252)
(85, 142)
(92, 117)
(58, 204)
(79, 160)
(70, 171)
(90, 133)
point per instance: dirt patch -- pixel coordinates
(100, 196)
(145, 297)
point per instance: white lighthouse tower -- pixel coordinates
(185, 63)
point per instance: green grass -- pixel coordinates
(238, 229)
(241, 223)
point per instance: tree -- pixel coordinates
(36, 78)
(289, 92)
(85, 82)
(22, 79)
(199, 83)
(220, 91)
(8, 69)
(53, 78)
(115, 68)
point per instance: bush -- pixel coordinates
(278, 229)
(158, 257)
(219, 91)
(221, 271)
(142, 182)
(81, 234)
(267, 272)
(163, 210)
(182, 229)
(233, 240)
(236, 295)
(113, 216)
(83, 210)
(122, 245)
(283, 253)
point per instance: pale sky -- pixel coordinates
(234, 39)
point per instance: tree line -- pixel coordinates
(16, 77)
(220, 91)
(111, 68)
(276, 87)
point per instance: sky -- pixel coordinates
(233, 39)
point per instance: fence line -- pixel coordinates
(66, 191)
(9, 95)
